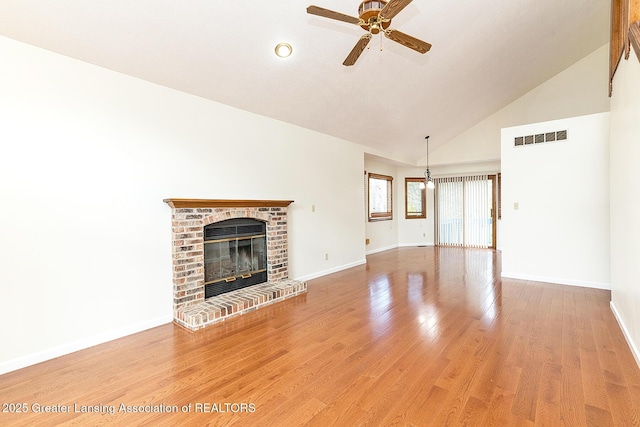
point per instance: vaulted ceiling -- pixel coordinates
(485, 54)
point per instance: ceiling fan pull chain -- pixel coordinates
(381, 41)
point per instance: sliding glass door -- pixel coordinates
(464, 211)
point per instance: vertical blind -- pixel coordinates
(463, 211)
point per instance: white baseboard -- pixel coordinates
(331, 270)
(555, 280)
(61, 350)
(625, 332)
(386, 248)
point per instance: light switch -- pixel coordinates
(516, 206)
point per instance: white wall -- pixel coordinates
(382, 235)
(87, 157)
(576, 91)
(560, 231)
(625, 203)
(414, 232)
(385, 235)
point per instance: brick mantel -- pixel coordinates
(188, 218)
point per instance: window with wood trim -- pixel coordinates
(380, 197)
(463, 211)
(415, 198)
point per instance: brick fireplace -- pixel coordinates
(188, 219)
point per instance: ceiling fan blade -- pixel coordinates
(357, 50)
(392, 8)
(407, 40)
(326, 13)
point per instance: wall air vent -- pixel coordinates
(540, 138)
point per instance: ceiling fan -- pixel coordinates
(374, 16)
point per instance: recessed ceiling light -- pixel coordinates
(283, 50)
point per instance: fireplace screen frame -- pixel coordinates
(235, 255)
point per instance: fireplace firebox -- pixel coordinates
(235, 255)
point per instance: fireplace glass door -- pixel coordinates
(234, 255)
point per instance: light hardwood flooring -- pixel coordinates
(418, 336)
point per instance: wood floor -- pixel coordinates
(418, 336)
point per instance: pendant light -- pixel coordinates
(427, 172)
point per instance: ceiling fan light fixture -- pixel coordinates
(369, 12)
(376, 5)
(283, 50)
(374, 28)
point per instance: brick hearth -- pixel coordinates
(221, 307)
(189, 217)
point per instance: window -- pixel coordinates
(464, 212)
(380, 197)
(415, 198)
